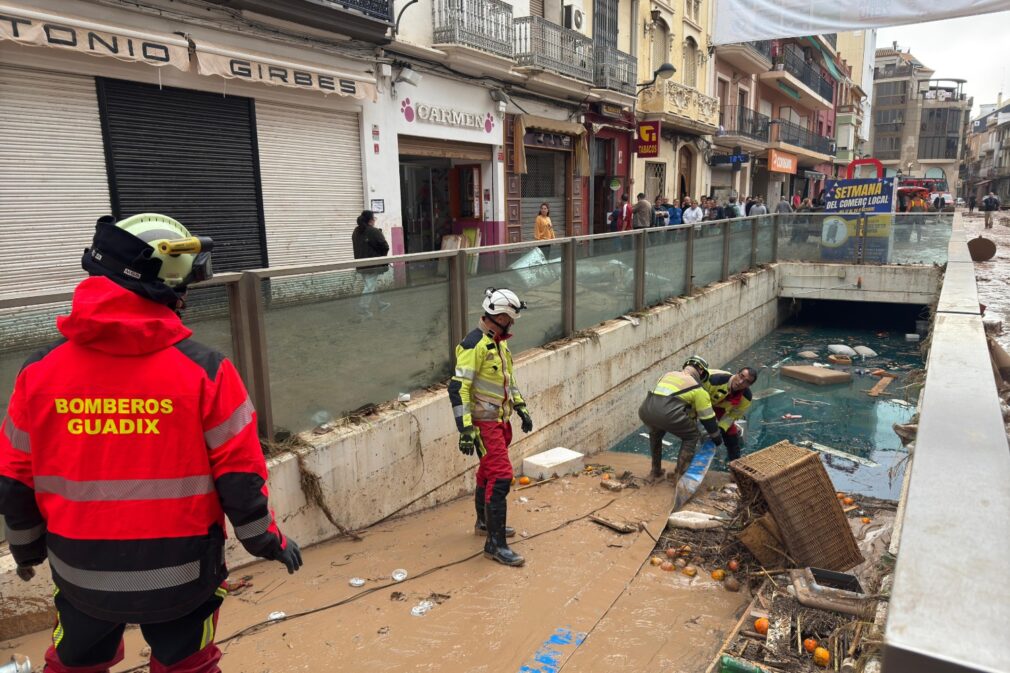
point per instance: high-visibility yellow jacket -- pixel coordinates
(689, 391)
(483, 386)
(729, 406)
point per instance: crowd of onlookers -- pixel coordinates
(663, 211)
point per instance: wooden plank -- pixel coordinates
(879, 388)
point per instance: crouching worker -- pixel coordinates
(483, 393)
(676, 405)
(731, 398)
(125, 445)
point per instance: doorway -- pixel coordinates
(424, 188)
(545, 181)
(603, 195)
(685, 173)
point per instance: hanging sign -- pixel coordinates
(852, 200)
(648, 139)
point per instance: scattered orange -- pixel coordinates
(733, 565)
(718, 574)
(690, 571)
(761, 626)
(822, 657)
(655, 560)
(667, 566)
(524, 481)
(671, 553)
(685, 550)
(606, 475)
(847, 500)
(866, 519)
(810, 644)
(839, 495)
(731, 584)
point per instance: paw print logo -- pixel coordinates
(488, 123)
(407, 109)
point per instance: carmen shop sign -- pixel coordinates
(446, 116)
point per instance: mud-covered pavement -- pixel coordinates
(993, 277)
(586, 600)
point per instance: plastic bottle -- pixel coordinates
(728, 664)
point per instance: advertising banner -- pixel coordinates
(648, 139)
(747, 20)
(843, 234)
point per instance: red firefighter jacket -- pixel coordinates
(124, 446)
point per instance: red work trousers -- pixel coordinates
(495, 465)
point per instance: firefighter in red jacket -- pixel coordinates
(124, 446)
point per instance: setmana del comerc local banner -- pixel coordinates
(841, 234)
(747, 20)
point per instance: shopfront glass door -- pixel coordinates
(424, 188)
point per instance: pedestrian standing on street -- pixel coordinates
(543, 229)
(368, 242)
(760, 208)
(676, 214)
(676, 405)
(990, 204)
(625, 220)
(661, 217)
(796, 201)
(692, 213)
(748, 205)
(733, 209)
(939, 202)
(483, 393)
(971, 203)
(125, 445)
(642, 214)
(783, 206)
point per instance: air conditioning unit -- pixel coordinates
(575, 17)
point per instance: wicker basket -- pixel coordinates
(792, 484)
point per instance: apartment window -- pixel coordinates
(692, 10)
(889, 120)
(691, 63)
(605, 23)
(537, 8)
(660, 44)
(891, 93)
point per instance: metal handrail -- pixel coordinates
(486, 25)
(67, 295)
(540, 43)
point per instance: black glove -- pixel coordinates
(470, 441)
(26, 573)
(291, 556)
(716, 438)
(525, 416)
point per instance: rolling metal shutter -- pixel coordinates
(443, 149)
(53, 184)
(310, 163)
(190, 155)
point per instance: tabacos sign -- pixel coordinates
(648, 139)
(446, 116)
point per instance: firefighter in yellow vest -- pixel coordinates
(676, 405)
(483, 393)
(731, 398)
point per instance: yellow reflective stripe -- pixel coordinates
(208, 631)
(58, 631)
(221, 592)
(705, 413)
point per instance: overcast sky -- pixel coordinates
(972, 48)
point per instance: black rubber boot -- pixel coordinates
(496, 548)
(656, 449)
(480, 528)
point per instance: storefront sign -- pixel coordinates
(446, 116)
(648, 139)
(378, 205)
(723, 159)
(841, 237)
(608, 110)
(615, 184)
(541, 139)
(50, 30)
(814, 175)
(782, 162)
(254, 68)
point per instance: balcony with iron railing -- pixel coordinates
(796, 135)
(893, 71)
(615, 70)
(832, 39)
(736, 121)
(686, 106)
(544, 45)
(484, 25)
(809, 74)
(748, 57)
(376, 9)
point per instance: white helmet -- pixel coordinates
(501, 301)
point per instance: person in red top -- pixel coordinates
(124, 447)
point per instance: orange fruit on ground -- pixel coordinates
(671, 553)
(718, 574)
(866, 519)
(810, 644)
(655, 560)
(606, 475)
(667, 566)
(839, 495)
(822, 657)
(761, 626)
(523, 481)
(690, 571)
(847, 501)
(733, 565)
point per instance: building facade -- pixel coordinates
(986, 162)
(919, 123)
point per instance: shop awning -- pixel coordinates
(232, 63)
(829, 58)
(49, 29)
(524, 122)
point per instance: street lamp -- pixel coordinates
(662, 73)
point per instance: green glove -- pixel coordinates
(470, 441)
(525, 416)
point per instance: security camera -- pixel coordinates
(409, 76)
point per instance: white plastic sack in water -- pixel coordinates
(694, 520)
(865, 351)
(841, 349)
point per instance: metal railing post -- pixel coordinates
(640, 243)
(568, 287)
(689, 266)
(457, 301)
(725, 251)
(258, 362)
(775, 236)
(861, 253)
(754, 241)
